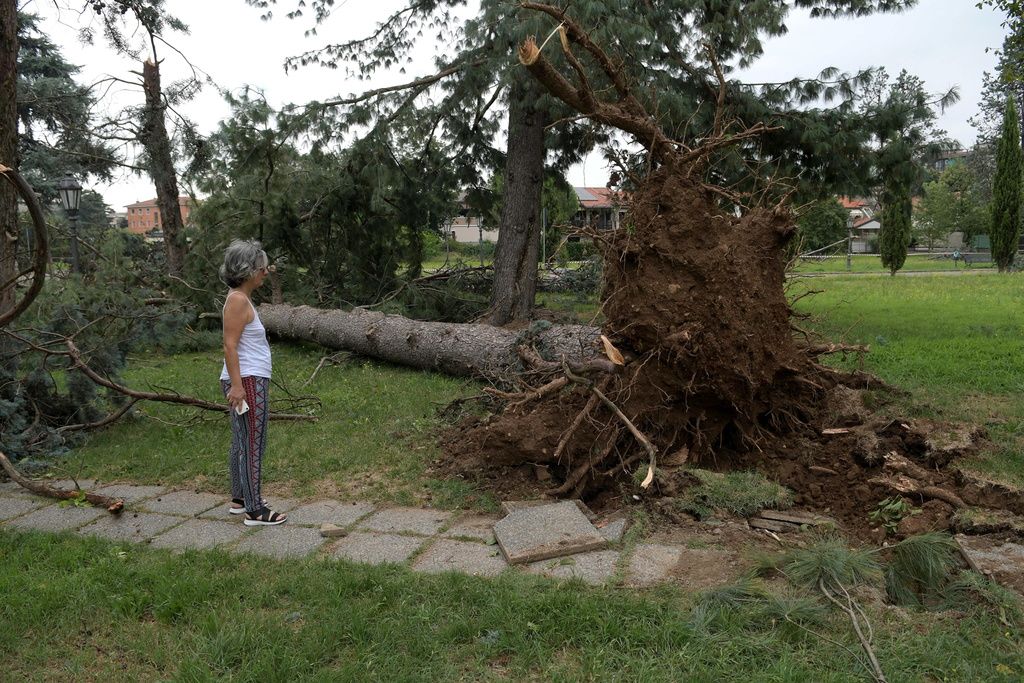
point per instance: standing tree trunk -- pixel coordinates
(161, 167)
(515, 258)
(8, 149)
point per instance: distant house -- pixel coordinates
(858, 207)
(945, 159)
(865, 234)
(144, 217)
(466, 226)
(599, 208)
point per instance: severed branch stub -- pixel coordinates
(112, 505)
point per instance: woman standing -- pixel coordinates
(245, 379)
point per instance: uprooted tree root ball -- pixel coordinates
(713, 375)
(704, 365)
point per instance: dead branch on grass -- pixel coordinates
(112, 505)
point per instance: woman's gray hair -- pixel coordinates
(242, 259)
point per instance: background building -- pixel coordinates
(144, 217)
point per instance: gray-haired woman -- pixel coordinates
(245, 379)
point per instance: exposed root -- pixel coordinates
(577, 475)
(637, 434)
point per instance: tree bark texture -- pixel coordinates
(8, 147)
(161, 168)
(515, 257)
(452, 348)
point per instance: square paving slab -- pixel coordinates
(651, 564)
(9, 489)
(376, 548)
(408, 520)
(69, 484)
(333, 511)
(595, 568)
(281, 541)
(480, 527)
(130, 492)
(184, 503)
(56, 518)
(12, 507)
(134, 527)
(545, 531)
(461, 556)
(199, 534)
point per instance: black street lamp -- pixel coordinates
(70, 195)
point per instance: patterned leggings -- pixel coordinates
(248, 442)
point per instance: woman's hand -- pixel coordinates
(236, 396)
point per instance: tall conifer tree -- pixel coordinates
(1006, 191)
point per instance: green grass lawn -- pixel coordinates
(373, 437)
(78, 608)
(872, 263)
(956, 343)
(84, 609)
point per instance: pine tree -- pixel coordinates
(894, 237)
(665, 48)
(902, 116)
(1006, 192)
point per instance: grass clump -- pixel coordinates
(830, 561)
(741, 493)
(920, 568)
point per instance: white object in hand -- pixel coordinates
(242, 409)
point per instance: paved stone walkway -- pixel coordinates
(426, 540)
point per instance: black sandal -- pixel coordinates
(240, 510)
(265, 517)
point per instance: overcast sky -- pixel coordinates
(942, 41)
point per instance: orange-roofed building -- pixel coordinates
(144, 217)
(599, 207)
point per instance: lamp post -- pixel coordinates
(70, 194)
(849, 242)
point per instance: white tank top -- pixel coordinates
(253, 349)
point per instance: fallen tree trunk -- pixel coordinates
(453, 348)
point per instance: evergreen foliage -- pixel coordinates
(1006, 192)
(817, 135)
(951, 203)
(352, 220)
(902, 116)
(821, 224)
(55, 116)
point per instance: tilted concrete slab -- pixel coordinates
(538, 533)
